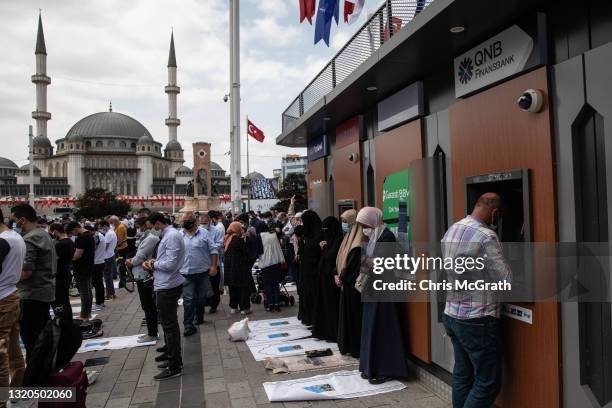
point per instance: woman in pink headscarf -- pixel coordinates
(383, 349)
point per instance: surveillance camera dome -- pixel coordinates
(225, 98)
(530, 100)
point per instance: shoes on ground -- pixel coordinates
(168, 373)
(162, 349)
(233, 311)
(96, 307)
(212, 310)
(245, 312)
(161, 357)
(163, 365)
(198, 322)
(92, 333)
(190, 331)
(145, 338)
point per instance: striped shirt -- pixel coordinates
(471, 238)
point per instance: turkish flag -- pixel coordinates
(255, 132)
(307, 10)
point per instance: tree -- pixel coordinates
(293, 185)
(98, 203)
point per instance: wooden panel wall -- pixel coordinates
(347, 175)
(489, 133)
(395, 150)
(317, 186)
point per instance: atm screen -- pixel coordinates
(344, 205)
(513, 188)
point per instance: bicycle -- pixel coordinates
(125, 275)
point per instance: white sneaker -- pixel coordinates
(245, 312)
(233, 311)
(145, 338)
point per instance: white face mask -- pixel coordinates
(368, 232)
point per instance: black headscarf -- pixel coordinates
(312, 224)
(332, 233)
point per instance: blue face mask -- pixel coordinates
(345, 227)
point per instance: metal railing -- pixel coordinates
(366, 41)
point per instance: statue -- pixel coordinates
(189, 189)
(202, 182)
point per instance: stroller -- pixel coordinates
(259, 295)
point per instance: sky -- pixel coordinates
(103, 50)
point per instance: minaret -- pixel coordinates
(174, 150)
(42, 145)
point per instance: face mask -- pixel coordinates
(368, 232)
(17, 229)
(345, 227)
(188, 224)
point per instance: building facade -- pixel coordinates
(293, 164)
(459, 98)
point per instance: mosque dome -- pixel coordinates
(173, 145)
(183, 169)
(145, 139)
(215, 166)
(41, 141)
(7, 163)
(112, 124)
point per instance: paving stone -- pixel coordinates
(97, 400)
(123, 389)
(214, 385)
(213, 371)
(144, 394)
(129, 375)
(232, 363)
(247, 402)
(118, 402)
(239, 389)
(171, 399)
(218, 400)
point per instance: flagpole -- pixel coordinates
(248, 179)
(235, 177)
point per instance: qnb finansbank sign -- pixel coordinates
(499, 57)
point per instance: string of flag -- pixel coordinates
(327, 11)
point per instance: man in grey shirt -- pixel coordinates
(149, 238)
(168, 286)
(37, 284)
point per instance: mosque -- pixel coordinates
(109, 149)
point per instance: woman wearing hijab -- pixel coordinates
(327, 299)
(383, 350)
(309, 254)
(348, 264)
(236, 267)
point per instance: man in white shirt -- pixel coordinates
(217, 232)
(98, 271)
(110, 268)
(12, 255)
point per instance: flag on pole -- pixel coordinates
(327, 10)
(352, 10)
(255, 132)
(307, 10)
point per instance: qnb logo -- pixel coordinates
(466, 70)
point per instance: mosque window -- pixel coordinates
(133, 145)
(88, 144)
(99, 143)
(78, 146)
(71, 146)
(111, 144)
(62, 146)
(149, 148)
(123, 145)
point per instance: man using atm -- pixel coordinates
(471, 318)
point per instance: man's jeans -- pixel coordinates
(147, 301)
(478, 350)
(167, 307)
(110, 269)
(83, 282)
(195, 291)
(11, 359)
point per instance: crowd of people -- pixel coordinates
(197, 259)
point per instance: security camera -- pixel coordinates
(531, 100)
(306, 172)
(225, 98)
(353, 157)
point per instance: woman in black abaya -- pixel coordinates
(325, 324)
(309, 255)
(348, 264)
(383, 349)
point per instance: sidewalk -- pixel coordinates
(217, 374)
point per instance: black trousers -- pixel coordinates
(62, 297)
(167, 307)
(83, 282)
(147, 301)
(215, 299)
(239, 297)
(34, 317)
(97, 281)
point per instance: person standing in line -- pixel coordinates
(83, 263)
(270, 264)
(122, 247)
(110, 263)
(64, 249)
(327, 299)
(97, 277)
(309, 254)
(383, 354)
(12, 255)
(199, 264)
(348, 265)
(37, 284)
(217, 232)
(149, 238)
(168, 286)
(237, 268)
(471, 316)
